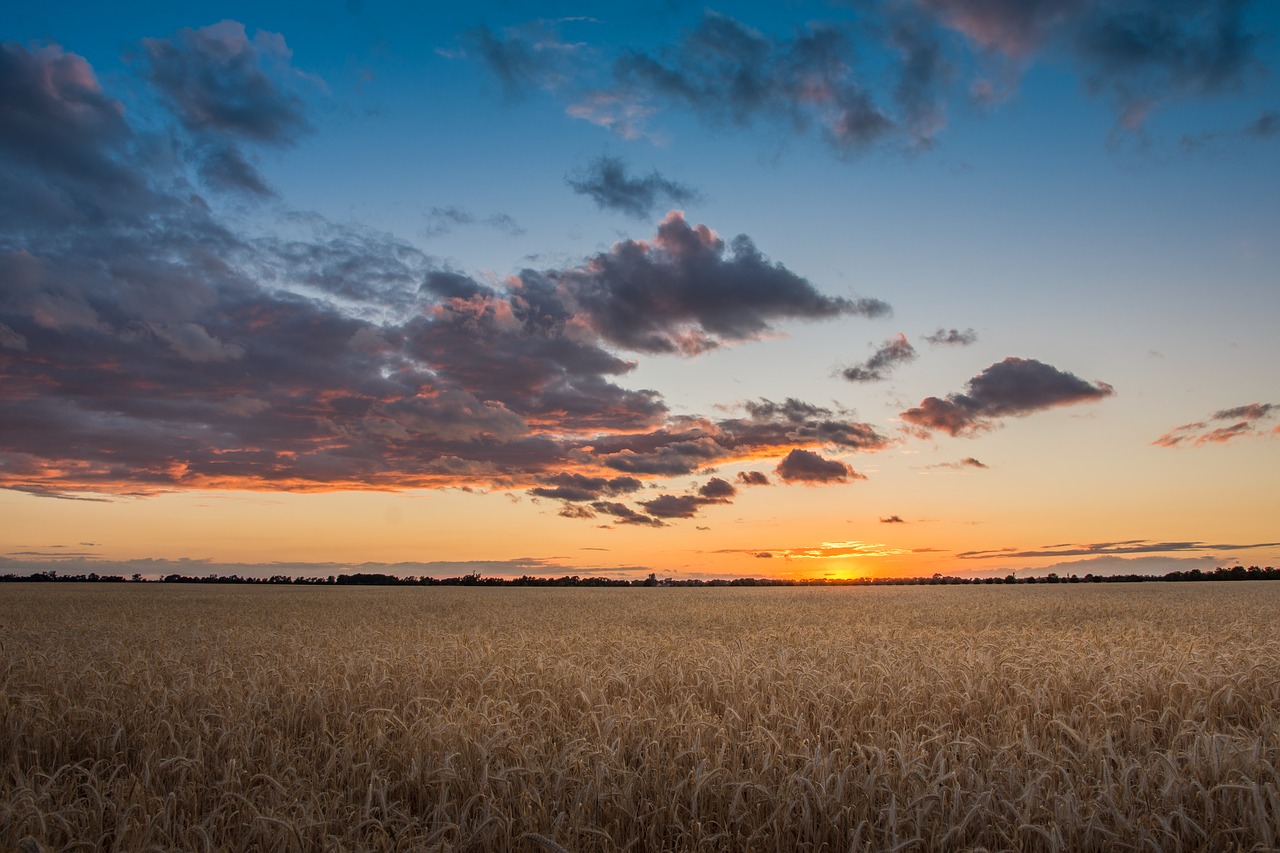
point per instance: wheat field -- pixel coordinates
(1068, 717)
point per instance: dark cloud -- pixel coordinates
(1246, 420)
(147, 345)
(889, 355)
(1264, 126)
(607, 183)
(925, 72)
(217, 79)
(726, 71)
(1145, 53)
(804, 466)
(674, 506)
(683, 292)
(893, 519)
(1128, 546)
(770, 429)
(714, 491)
(1248, 412)
(776, 427)
(717, 489)
(951, 337)
(887, 76)
(62, 142)
(753, 478)
(226, 88)
(578, 487)
(1013, 387)
(625, 514)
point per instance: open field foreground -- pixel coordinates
(1068, 717)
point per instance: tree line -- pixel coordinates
(1222, 573)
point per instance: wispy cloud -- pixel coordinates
(823, 551)
(1141, 55)
(893, 352)
(442, 220)
(1235, 423)
(606, 182)
(966, 463)
(1128, 546)
(951, 337)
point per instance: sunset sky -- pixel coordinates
(757, 289)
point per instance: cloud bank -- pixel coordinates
(148, 344)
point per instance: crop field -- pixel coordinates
(1065, 717)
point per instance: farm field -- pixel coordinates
(1046, 717)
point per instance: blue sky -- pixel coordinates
(469, 265)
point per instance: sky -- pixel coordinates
(804, 289)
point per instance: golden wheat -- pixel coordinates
(1069, 717)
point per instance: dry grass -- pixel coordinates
(139, 717)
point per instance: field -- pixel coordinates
(1067, 717)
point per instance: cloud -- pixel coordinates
(729, 72)
(753, 478)
(1142, 53)
(674, 506)
(620, 112)
(1247, 419)
(717, 489)
(824, 551)
(770, 429)
(148, 345)
(1016, 28)
(888, 76)
(569, 486)
(1105, 565)
(625, 514)
(1128, 546)
(442, 220)
(1265, 126)
(682, 292)
(1146, 53)
(62, 139)
(951, 337)
(529, 57)
(607, 183)
(1013, 387)
(226, 88)
(967, 462)
(805, 466)
(889, 355)
(893, 519)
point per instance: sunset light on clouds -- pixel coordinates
(786, 290)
